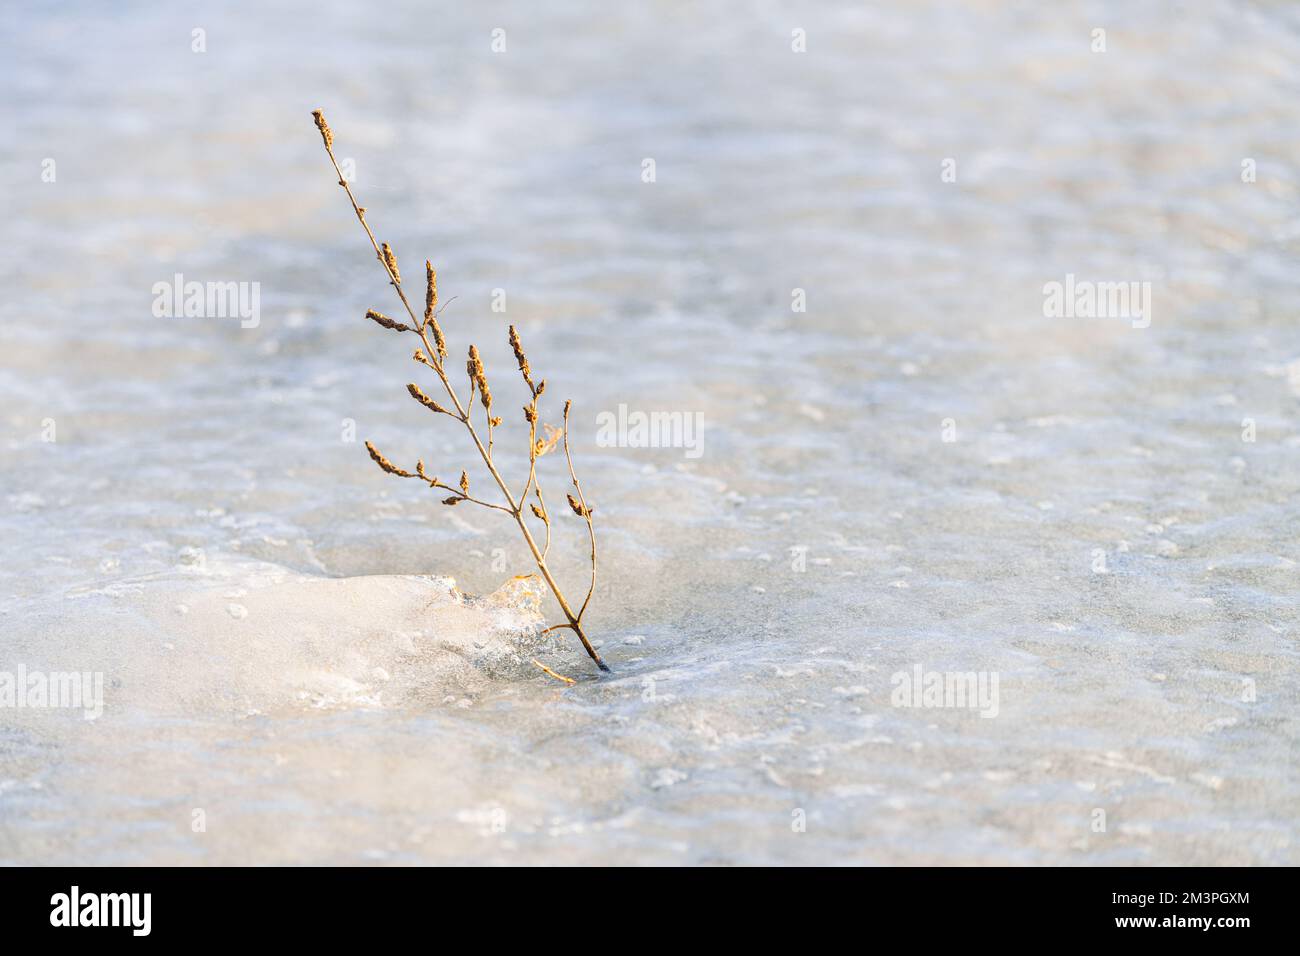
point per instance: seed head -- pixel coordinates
(326, 133)
(431, 290)
(578, 509)
(431, 309)
(439, 342)
(386, 322)
(464, 483)
(475, 369)
(390, 261)
(385, 464)
(521, 358)
(417, 393)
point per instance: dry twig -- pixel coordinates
(433, 356)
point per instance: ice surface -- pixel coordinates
(328, 699)
(259, 638)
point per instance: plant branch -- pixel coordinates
(432, 356)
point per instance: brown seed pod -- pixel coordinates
(464, 483)
(451, 501)
(431, 307)
(326, 133)
(475, 369)
(521, 358)
(431, 290)
(390, 260)
(418, 394)
(386, 322)
(578, 509)
(439, 342)
(530, 414)
(385, 464)
(538, 511)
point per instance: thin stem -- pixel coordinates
(464, 497)
(361, 218)
(586, 512)
(567, 680)
(532, 449)
(546, 549)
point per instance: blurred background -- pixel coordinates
(822, 229)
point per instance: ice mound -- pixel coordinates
(258, 638)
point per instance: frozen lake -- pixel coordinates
(835, 261)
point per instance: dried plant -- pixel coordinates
(433, 356)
